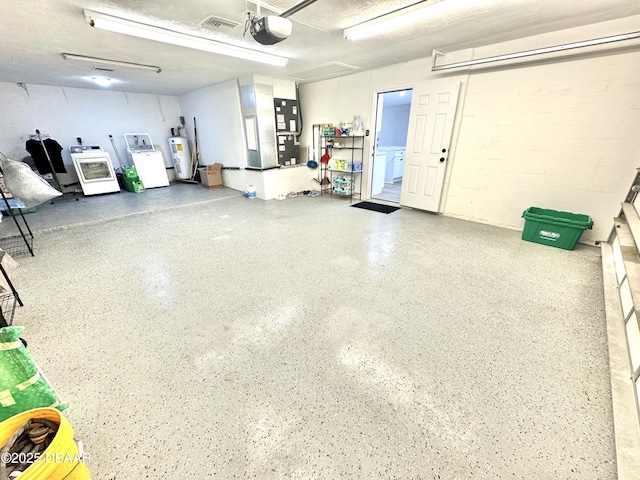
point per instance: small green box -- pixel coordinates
(134, 186)
(132, 180)
(130, 172)
(555, 228)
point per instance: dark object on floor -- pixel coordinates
(376, 207)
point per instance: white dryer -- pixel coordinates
(95, 170)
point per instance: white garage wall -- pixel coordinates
(560, 133)
(218, 117)
(93, 115)
(561, 136)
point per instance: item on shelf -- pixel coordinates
(345, 128)
(342, 180)
(342, 190)
(358, 125)
(325, 157)
(343, 185)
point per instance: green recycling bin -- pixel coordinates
(555, 228)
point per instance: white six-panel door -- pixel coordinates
(433, 108)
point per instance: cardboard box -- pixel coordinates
(211, 175)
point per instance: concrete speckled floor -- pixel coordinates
(235, 338)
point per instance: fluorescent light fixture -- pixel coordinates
(141, 30)
(528, 53)
(106, 61)
(390, 21)
(102, 81)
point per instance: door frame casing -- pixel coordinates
(366, 194)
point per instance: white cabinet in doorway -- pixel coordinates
(398, 164)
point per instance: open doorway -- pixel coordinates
(392, 125)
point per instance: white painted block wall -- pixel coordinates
(560, 133)
(562, 136)
(218, 117)
(92, 114)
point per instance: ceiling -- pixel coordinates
(34, 33)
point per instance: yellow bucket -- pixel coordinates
(61, 460)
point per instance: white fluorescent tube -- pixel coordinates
(128, 27)
(105, 61)
(102, 81)
(390, 21)
(537, 51)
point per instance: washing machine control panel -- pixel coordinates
(83, 148)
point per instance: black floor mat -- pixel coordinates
(376, 207)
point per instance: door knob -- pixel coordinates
(442, 159)
(444, 150)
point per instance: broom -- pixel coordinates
(195, 159)
(191, 178)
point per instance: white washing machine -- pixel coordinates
(95, 170)
(148, 161)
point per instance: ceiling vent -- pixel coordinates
(102, 70)
(218, 23)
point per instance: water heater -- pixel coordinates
(180, 157)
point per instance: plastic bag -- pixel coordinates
(22, 386)
(358, 125)
(26, 184)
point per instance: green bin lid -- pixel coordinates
(558, 217)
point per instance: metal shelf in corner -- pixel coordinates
(22, 243)
(8, 298)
